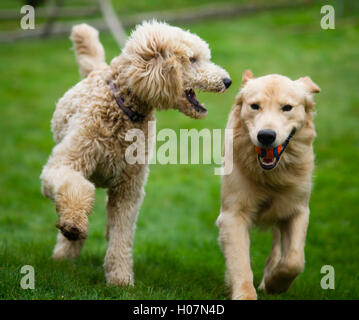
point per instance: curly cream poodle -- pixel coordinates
(159, 68)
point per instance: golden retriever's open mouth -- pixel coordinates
(191, 97)
(268, 158)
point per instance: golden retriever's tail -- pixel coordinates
(89, 51)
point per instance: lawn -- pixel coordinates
(176, 255)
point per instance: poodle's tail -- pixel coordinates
(89, 51)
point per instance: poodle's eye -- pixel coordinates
(287, 108)
(254, 106)
(192, 59)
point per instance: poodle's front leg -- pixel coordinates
(73, 195)
(123, 204)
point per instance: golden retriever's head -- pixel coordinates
(166, 64)
(273, 109)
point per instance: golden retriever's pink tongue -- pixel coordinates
(268, 160)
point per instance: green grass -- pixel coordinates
(176, 255)
(122, 7)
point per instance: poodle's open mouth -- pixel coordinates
(191, 97)
(268, 158)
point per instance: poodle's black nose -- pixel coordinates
(266, 137)
(227, 82)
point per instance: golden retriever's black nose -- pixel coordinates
(266, 137)
(227, 82)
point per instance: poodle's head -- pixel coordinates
(165, 64)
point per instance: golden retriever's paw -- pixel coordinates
(245, 292)
(281, 279)
(74, 227)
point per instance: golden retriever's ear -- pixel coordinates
(239, 99)
(247, 75)
(309, 85)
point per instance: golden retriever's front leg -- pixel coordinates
(293, 235)
(235, 242)
(123, 204)
(274, 257)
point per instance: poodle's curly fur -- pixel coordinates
(157, 69)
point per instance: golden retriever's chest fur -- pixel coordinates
(278, 205)
(275, 195)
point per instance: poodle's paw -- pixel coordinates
(74, 227)
(60, 255)
(119, 279)
(246, 291)
(66, 249)
(281, 278)
(64, 253)
(262, 286)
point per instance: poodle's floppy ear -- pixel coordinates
(156, 74)
(308, 85)
(247, 75)
(163, 80)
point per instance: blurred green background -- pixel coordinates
(176, 255)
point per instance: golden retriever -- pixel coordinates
(270, 183)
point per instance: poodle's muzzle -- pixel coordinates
(198, 107)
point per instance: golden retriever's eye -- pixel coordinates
(254, 106)
(287, 108)
(192, 59)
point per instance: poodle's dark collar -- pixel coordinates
(133, 115)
